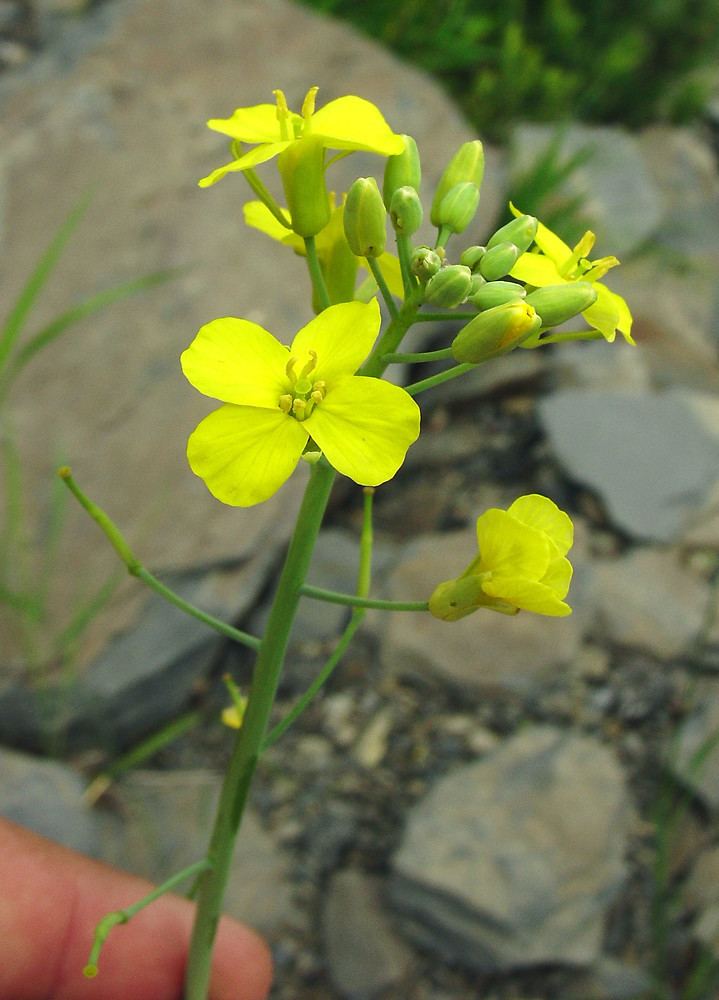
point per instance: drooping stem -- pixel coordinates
(317, 277)
(404, 253)
(438, 379)
(264, 195)
(355, 601)
(250, 738)
(444, 354)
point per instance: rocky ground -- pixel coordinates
(516, 809)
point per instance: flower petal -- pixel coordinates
(245, 454)
(258, 216)
(511, 549)
(353, 123)
(238, 362)
(540, 512)
(559, 576)
(604, 314)
(538, 270)
(364, 427)
(342, 337)
(392, 273)
(256, 124)
(527, 595)
(257, 155)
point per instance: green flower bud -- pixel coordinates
(365, 219)
(520, 231)
(405, 211)
(424, 263)
(458, 206)
(495, 332)
(449, 286)
(496, 293)
(402, 170)
(472, 256)
(477, 282)
(557, 303)
(467, 164)
(498, 261)
(302, 169)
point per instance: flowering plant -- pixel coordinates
(325, 400)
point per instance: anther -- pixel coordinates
(285, 402)
(299, 406)
(308, 105)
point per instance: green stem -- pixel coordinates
(445, 317)
(111, 920)
(382, 285)
(135, 567)
(355, 601)
(390, 340)
(442, 355)
(316, 276)
(561, 338)
(404, 253)
(433, 380)
(264, 195)
(443, 236)
(250, 737)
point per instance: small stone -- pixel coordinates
(592, 663)
(697, 759)
(365, 958)
(701, 894)
(371, 747)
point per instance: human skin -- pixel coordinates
(50, 901)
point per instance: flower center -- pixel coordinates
(305, 393)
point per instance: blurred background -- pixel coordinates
(514, 809)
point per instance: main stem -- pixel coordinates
(246, 751)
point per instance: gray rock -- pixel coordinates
(365, 958)
(484, 650)
(514, 861)
(701, 895)
(47, 797)
(697, 757)
(166, 822)
(617, 189)
(601, 366)
(611, 979)
(648, 599)
(652, 459)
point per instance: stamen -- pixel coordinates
(299, 406)
(290, 370)
(283, 114)
(285, 402)
(582, 249)
(317, 396)
(308, 108)
(311, 364)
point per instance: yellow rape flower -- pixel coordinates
(282, 401)
(521, 563)
(348, 123)
(558, 264)
(339, 265)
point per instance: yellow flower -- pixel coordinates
(348, 123)
(339, 265)
(559, 264)
(282, 401)
(521, 563)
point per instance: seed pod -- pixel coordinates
(471, 257)
(495, 332)
(467, 164)
(520, 231)
(302, 169)
(557, 303)
(405, 211)
(449, 286)
(424, 263)
(458, 207)
(365, 219)
(496, 293)
(402, 170)
(498, 261)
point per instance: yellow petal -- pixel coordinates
(558, 576)
(257, 155)
(364, 427)
(258, 216)
(509, 548)
(527, 595)
(238, 362)
(342, 337)
(603, 315)
(353, 123)
(552, 246)
(392, 273)
(245, 454)
(256, 124)
(542, 513)
(536, 269)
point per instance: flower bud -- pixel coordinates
(402, 170)
(365, 219)
(405, 211)
(496, 293)
(449, 286)
(520, 231)
(472, 256)
(557, 303)
(424, 263)
(454, 599)
(477, 282)
(302, 169)
(458, 206)
(495, 332)
(498, 261)
(467, 164)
